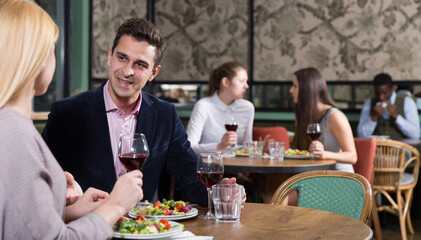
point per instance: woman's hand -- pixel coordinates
(89, 201)
(126, 193)
(317, 148)
(73, 191)
(228, 139)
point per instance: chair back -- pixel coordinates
(391, 160)
(278, 133)
(344, 193)
(366, 149)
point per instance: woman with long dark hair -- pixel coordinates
(313, 104)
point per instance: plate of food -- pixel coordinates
(172, 210)
(143, 228)
(241, 152)
(298, 154)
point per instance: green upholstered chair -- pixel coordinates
(345, 193)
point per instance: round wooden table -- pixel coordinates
(267, 166)
(266, 221)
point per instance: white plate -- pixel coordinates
(192, 213)
(298, 157)
(173, 231)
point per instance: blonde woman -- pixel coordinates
(32, 184)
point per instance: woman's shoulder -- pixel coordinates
(245, 103)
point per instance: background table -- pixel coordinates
(267, 166)
(266, 221)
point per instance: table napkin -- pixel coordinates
(187, 235)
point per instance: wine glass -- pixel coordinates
(210, 170)
(231, 125)
(313, 131)
(133, 151)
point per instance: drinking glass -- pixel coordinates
(231, 125)
(210, 170)
(313, 131)
(133, 151)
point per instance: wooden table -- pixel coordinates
(266, 221)
(267, 166)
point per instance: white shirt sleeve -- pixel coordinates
(410, 123)
(195, 129)
(366, 126)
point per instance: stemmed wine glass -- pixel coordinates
(133, 151)
(231, 125)
(210, 170)
(313, 131)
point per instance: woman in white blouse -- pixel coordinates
(206, 129)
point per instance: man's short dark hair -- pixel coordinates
(382, 79)
(143, 31)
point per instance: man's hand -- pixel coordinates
(391, 109)
(376, 112)
(73, 191)
(233, 180)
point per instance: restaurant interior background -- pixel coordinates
(349, 41)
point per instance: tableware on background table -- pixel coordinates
(192, 213)
(276, 150)
(175, 229)
(313, 131)
(133, 151)
(210, 170)
(227, 201)
(255, 149)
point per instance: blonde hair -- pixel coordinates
(27, 37)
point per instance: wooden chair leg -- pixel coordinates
(403, 227)
(408, 197)
(376, 220)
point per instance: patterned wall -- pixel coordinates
(345, 39)
(107, 16)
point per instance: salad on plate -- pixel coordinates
(297, 152)
(165, 207)
(141, 225)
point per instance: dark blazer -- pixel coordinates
(78, 135)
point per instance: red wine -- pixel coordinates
(231, 127)
(313, 136)
(210, 179)
(133, 161)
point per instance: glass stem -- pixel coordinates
(209, 201)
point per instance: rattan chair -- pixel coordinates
(391, 161)
(345, 193)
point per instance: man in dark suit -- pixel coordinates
(83, 131)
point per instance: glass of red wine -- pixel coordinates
(210, 170)
(133, 151)
(313, 131)
(231, 125)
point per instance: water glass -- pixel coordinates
(276, 150)
(255, 149)
(227, 201)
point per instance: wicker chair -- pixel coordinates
(391, 161)
(345, 193)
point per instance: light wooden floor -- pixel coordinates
(391, 230)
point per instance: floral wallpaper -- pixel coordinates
(201, 35)
(347, 40)
(344, 39)
(107, 16)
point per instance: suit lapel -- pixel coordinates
(98, 127)
(146, 120)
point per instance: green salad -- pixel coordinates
(141, 226)
(297, 152)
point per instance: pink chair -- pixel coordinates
(278, 133)
(366, 149)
